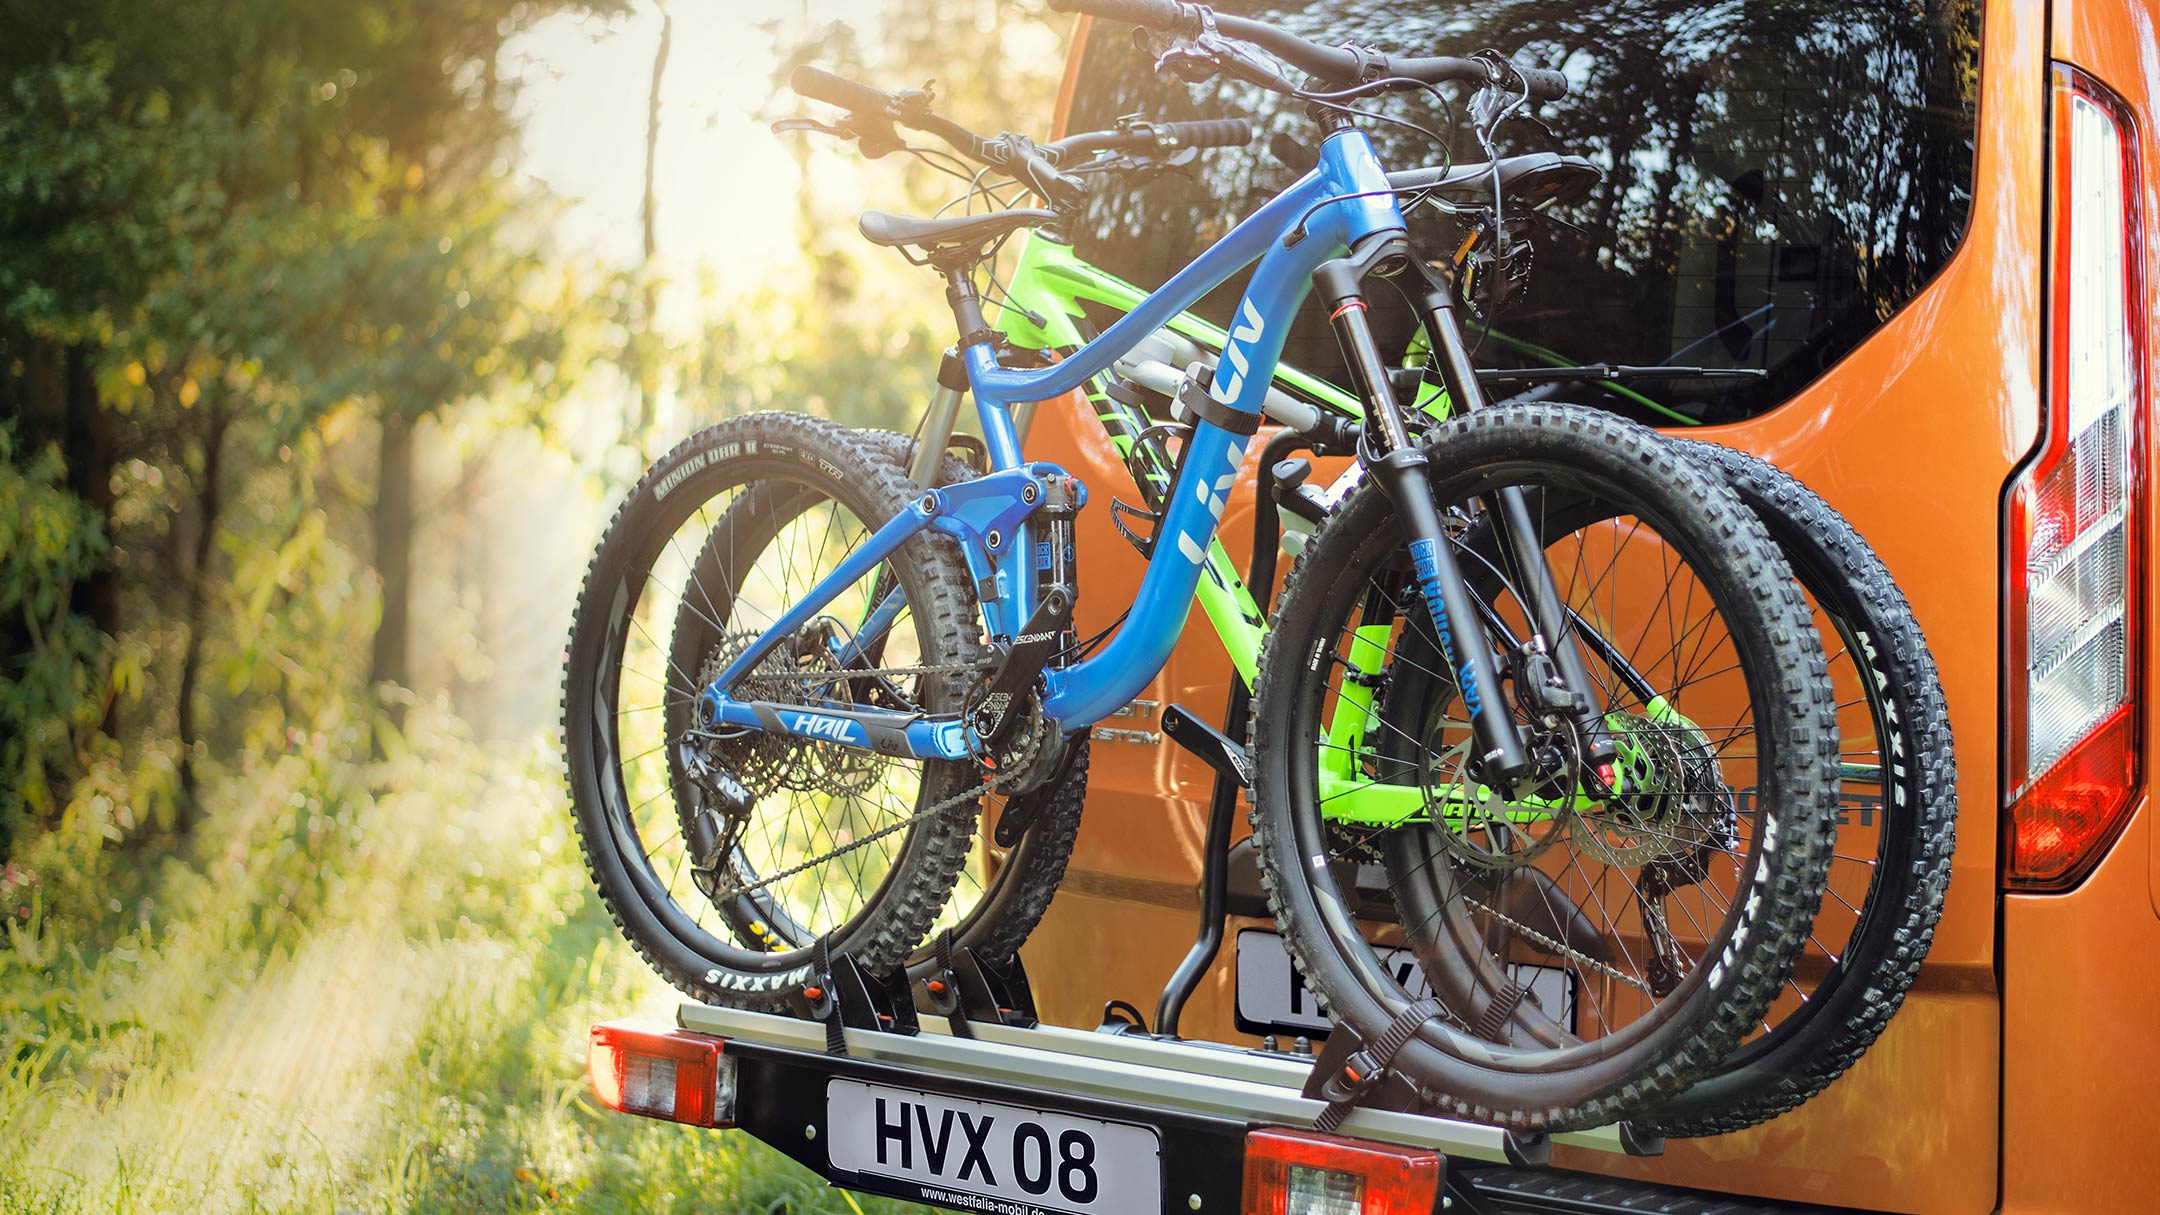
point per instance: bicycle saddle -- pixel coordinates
(959, 231)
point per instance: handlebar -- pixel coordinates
(1032, 163)
(820, 85)
(1336, 65)
(1155, 136)
(1168, 16)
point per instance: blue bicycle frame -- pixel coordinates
(1342, 201)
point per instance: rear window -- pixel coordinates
(1781, 176)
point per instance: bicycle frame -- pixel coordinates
(1343, 200)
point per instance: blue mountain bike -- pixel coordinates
(796, 672)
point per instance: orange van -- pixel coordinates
(1915, 218)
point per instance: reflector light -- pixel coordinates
(1307, 1173)
(658, 1072)
(2076, 613)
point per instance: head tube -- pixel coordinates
(1358, 182)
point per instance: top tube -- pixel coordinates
(1349, 173)
(1340, 203)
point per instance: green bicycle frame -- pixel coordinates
(1043, 312)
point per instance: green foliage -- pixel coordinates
(50, 673)
(235, 237)
(363, 989)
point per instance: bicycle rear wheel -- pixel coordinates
(1897, 817)
(1707, 865)
(727, 895)
(1001, 892)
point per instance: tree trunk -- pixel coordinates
(649, 301)
(210, 504)
(393, 562)
(92, 448)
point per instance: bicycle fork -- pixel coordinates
(1552, 679)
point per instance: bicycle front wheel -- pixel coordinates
(1592, 954)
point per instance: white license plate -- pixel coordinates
(982, 1156)
(1272, 997)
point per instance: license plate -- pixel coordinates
(1272, 997)
(983, 1156)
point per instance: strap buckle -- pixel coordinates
(1356, 1077)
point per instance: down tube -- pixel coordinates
(1087, 692)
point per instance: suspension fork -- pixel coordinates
(939, 421)
(1561, 683)
(1388, 454)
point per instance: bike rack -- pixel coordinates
(967, 1030)
(1044, 1065)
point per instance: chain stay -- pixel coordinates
(1010, 773)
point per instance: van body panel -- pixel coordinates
(2081, 993)
(2081, 1004)
(1914, 436)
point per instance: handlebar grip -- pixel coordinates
(1544, 84)
(1170, 16)
(1212, 133)
(853, 96)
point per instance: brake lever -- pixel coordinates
(788, 126)
(1149, 168)
(1138, 170)
(1188, 61)
(873, 143)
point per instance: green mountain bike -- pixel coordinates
(1899, 801)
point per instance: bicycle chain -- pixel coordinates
(965, 795)
(838, 674)
(1559, 950)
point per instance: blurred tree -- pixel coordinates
(860, 338)
(640, 361)
(49, 544)
(222, 224)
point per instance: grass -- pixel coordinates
(361, 989)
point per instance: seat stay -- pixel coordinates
(986, 516)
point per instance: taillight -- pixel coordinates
(2076, 625)
(659, 1072)
(1307, 1173)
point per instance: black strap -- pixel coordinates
(1195, 401)
(826, 1006)
(1504, 1003)
(1127, 395)
(947, 1001)
(1365, 1068)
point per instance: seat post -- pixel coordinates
(966, 305)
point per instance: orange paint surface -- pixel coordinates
(2018, 1075)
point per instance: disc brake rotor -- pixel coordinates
(1673, 800)
(762, 761)
(1474, 823)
